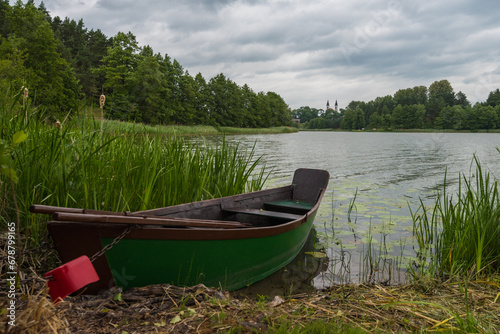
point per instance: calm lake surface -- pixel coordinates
(380, 176)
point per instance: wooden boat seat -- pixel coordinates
(289, 206)
(264, 213)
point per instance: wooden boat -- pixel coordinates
(227, 242)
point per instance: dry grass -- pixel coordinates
(426, 306)
(35, 313)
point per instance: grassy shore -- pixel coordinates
(423, 307)
(119, 127)
(406, 130)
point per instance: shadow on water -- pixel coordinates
(296, 277)
(316, 268)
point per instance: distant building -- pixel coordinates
(336, 106)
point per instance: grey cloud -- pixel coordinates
(318, 48)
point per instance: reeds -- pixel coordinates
(71, 167)
(460, 235)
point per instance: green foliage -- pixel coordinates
(45, 71)
(6, 150)
(479, 117)
(409, 96)
(4, 19)
(450, 118)
(414, 108)
(493, 98)
(461, 100)
(460, 235)
(149, 88)
(224, 102)
(353, 119)
(305, 114)
(83, 50)
(12, 69)
(408, 116)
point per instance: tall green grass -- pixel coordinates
(114, 126)
(127, 128)
(461, 235)
(273, 130)
(68, 166)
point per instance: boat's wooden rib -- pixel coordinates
(264, 213)
(145, 220)
(295, 207)
(49, 210)
(212, 207)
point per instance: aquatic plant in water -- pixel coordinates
(459, 235)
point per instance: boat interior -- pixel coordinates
(261, 208)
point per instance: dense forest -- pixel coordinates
(61, 63)
(436, 107)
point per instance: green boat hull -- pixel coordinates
(228, 264)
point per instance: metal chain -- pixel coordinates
(109, 246)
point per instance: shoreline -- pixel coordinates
(404, 131)
(424, 306)
(119, 127)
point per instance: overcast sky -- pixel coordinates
(313, 51)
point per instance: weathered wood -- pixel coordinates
(212, 207)
(290, 206)
(145, 220)
(265, 213)
(49, 209)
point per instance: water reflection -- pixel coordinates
(296, 277)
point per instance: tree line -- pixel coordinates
(63, 63)
(436, 107)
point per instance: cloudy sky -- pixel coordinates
(313, 51)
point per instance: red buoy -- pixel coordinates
(70, 277)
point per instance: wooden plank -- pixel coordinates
(293, 204)
(49, 209)
(212, 205)
(145, 220)
(289, 206)
(265, 213)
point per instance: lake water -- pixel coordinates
(382, 175)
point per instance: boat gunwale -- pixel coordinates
(152, 232)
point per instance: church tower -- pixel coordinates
(327, 104)
(336, 106)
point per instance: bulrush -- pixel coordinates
(25, 98)
(102, 99)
